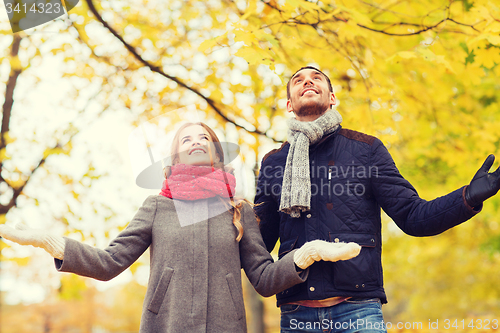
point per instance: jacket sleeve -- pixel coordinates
(266, 209)
(266, 276)
(123, 251)
(414, 215)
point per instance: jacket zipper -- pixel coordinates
(330, 184)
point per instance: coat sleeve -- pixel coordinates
(123, 251)
(266, 276)
(412, 214)
(267, 209)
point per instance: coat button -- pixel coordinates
(312, 289)
(336, 240)
(357, 286)
(363, 285)
(308, 216)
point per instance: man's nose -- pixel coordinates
(308, 81)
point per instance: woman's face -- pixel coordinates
(196, 147)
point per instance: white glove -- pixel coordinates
(23, 235)
(317, 250)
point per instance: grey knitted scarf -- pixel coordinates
(296, 188)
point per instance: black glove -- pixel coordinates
(484, 184)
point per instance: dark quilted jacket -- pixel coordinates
(352, 176)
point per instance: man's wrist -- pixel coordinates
(469, 202)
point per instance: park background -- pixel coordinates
(423, 76)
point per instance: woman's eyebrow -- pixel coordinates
(186, 137)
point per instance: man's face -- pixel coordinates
(310, 96)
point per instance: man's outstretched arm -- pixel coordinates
(414, 215)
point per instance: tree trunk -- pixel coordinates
(255, 306)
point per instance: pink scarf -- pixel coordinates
(193, 182)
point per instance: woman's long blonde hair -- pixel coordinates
(219, 165)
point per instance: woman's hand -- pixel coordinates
(317, 250)
(23, 235)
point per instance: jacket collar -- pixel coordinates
(324, 138)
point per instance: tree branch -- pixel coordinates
(408, 34)
(158, 70)
(15, 71)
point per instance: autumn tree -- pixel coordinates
(422, 76)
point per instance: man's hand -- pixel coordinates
(317, 250)
(23, 235)
(484, 185)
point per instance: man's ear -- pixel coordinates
(333, 100)
(289, 107)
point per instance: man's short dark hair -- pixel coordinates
(307, 67)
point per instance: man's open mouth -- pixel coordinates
(310, 91)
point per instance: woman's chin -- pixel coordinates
(199, 161)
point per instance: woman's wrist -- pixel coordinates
(54, 245)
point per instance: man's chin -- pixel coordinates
(311, 110)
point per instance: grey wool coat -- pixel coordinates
(195, 275)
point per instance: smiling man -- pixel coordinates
(329, 183)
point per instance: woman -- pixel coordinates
(197, 246)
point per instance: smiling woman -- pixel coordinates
(196, 144)
(200, 238)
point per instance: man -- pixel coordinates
(328, 183)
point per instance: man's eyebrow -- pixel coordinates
(296, 75)
(300, 74)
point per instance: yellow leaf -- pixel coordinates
(15, 63)
(252, 8)
(246, 36)
(209, 43)
(134, 266)
(402, 55)
(330, 14)
(21, 261)
(357, 16)
(474, 74)
(487, 57)
(306, 5)
(252, 56)
(493, 39)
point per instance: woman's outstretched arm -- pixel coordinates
(75, 257)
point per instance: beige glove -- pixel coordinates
(23, 235)
(317, 250)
